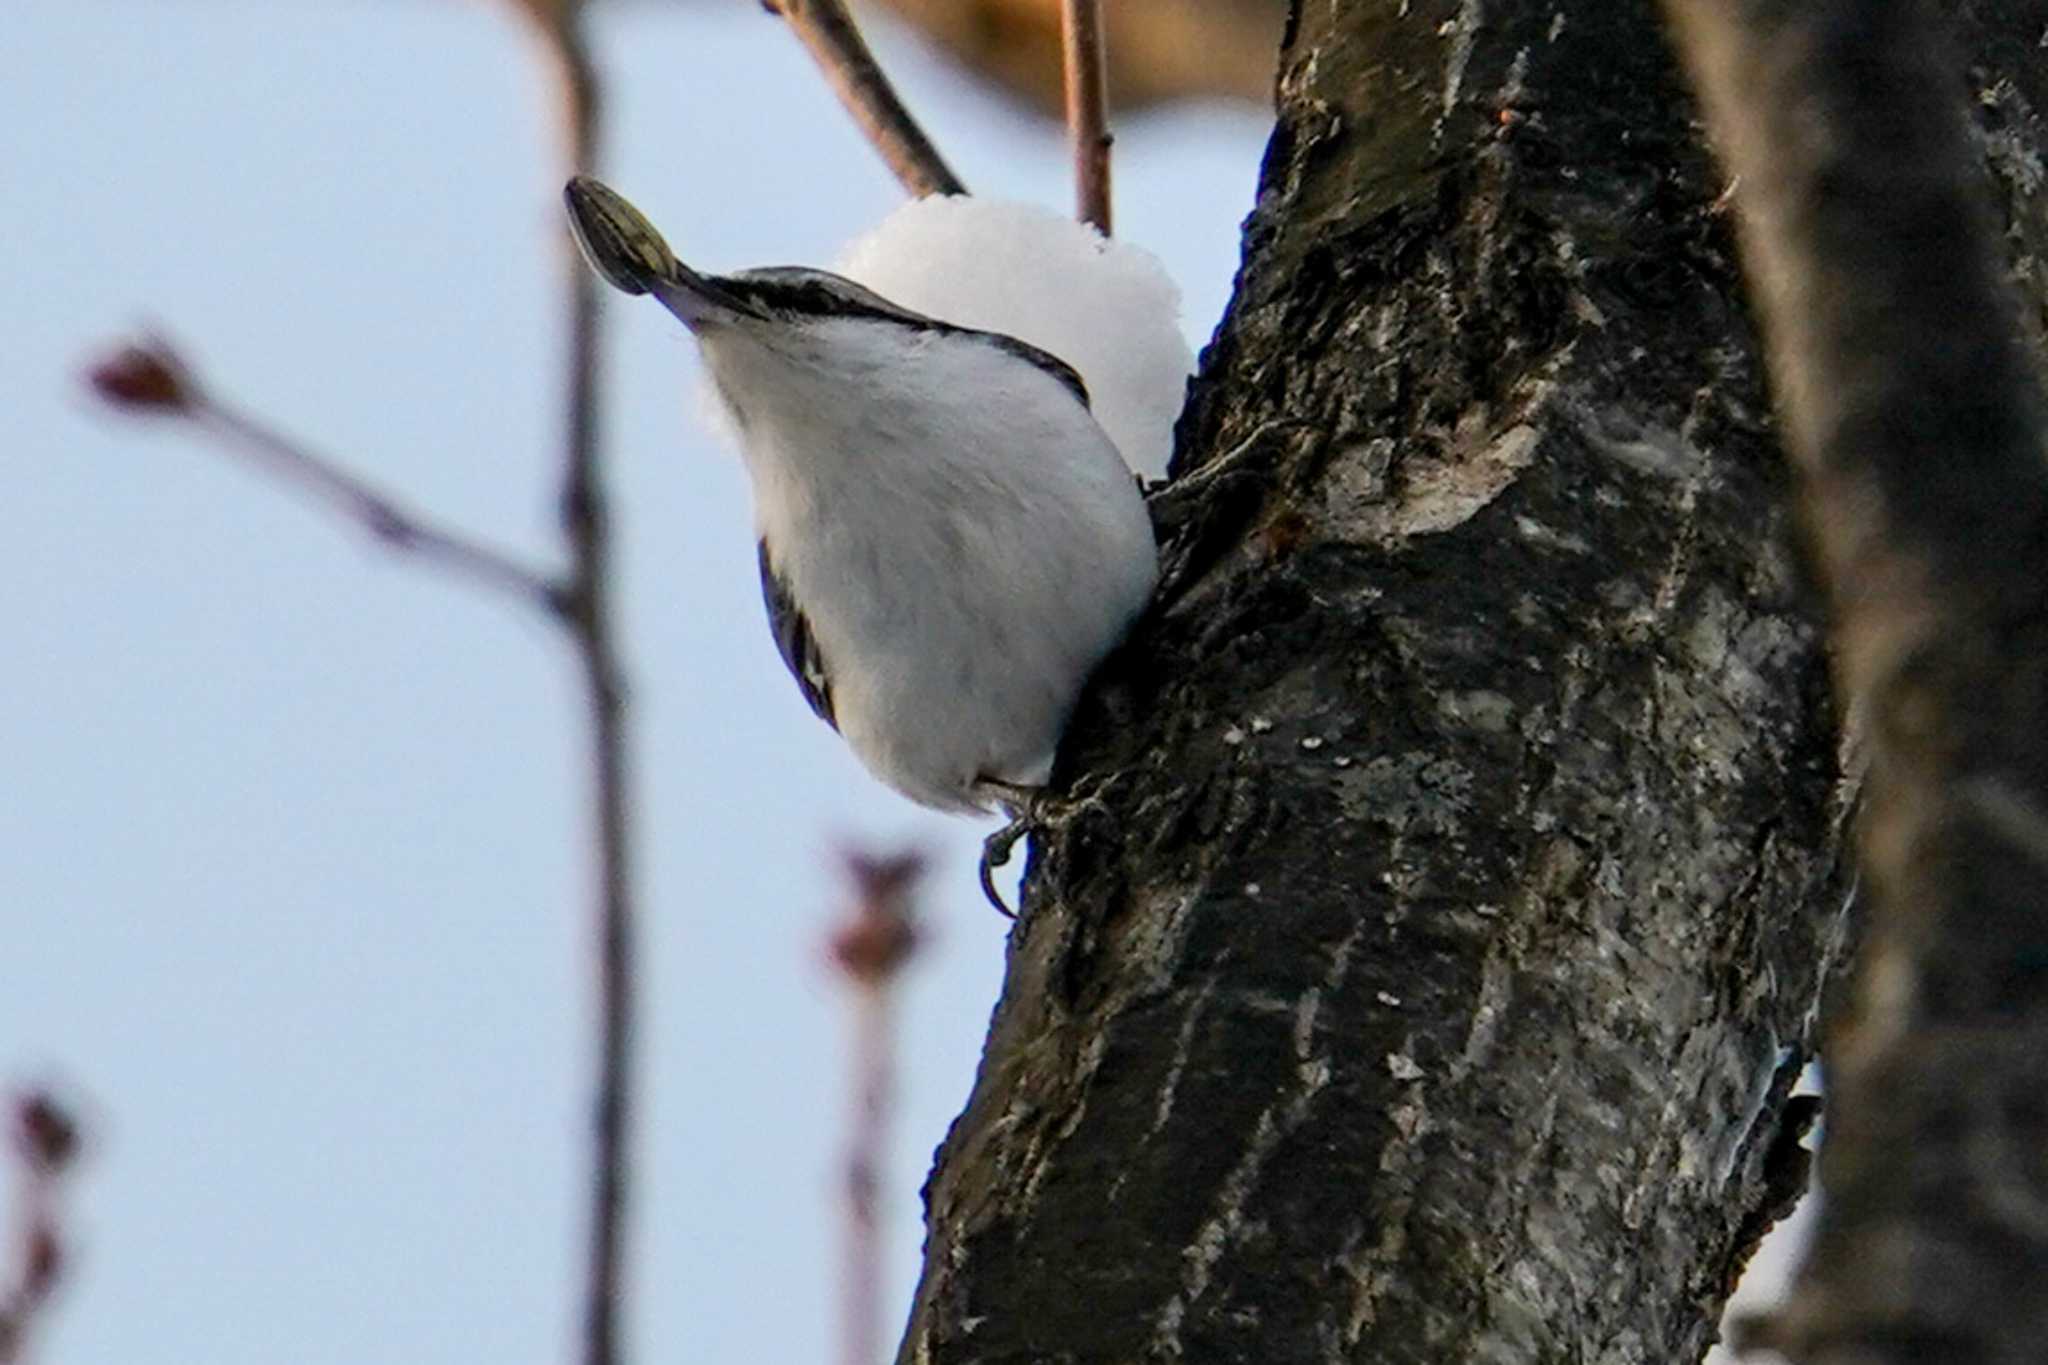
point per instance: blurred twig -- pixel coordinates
(834, 42)
(870, 947)
(45, 1139)
(150, 376)
(1087, 83)
(587, 525)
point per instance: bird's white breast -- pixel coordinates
(963, 539)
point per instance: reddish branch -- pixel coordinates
(1087, 83)
(148, 376)
(870, 948)
(829, 33)
(587, 526)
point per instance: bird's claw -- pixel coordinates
(995, 852)
(1033, 810)
(1027, 808)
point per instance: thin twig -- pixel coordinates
(1087, 78)
(393, 525)
(587, 524)
(870, 948)
(828, 31)
(150, 375)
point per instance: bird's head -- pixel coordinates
(631, 255)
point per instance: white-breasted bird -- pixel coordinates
(949, 543)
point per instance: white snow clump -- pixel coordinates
(1104, 306)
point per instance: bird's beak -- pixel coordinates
(631, 255)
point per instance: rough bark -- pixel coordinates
(1915, 414)
(1423, 971)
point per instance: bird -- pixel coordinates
(949, 544)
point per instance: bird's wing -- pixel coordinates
(793, 640)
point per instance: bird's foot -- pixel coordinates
(1026, 806)
(1033, 810)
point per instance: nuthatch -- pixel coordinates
(949, 543)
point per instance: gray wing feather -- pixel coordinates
(793, 639)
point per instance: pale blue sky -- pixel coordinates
(290, 837)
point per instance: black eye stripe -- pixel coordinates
(802, 293)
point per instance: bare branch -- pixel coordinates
(870, 948)
(834, 41)
(1087, 82)
(149, 376)
(587, 524)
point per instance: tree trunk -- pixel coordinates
(1915, 414)
(1457, 856)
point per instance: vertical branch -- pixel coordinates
(869, 948)
(586, 524)
(1087, 82)
(867, 1149)
(586, 521)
